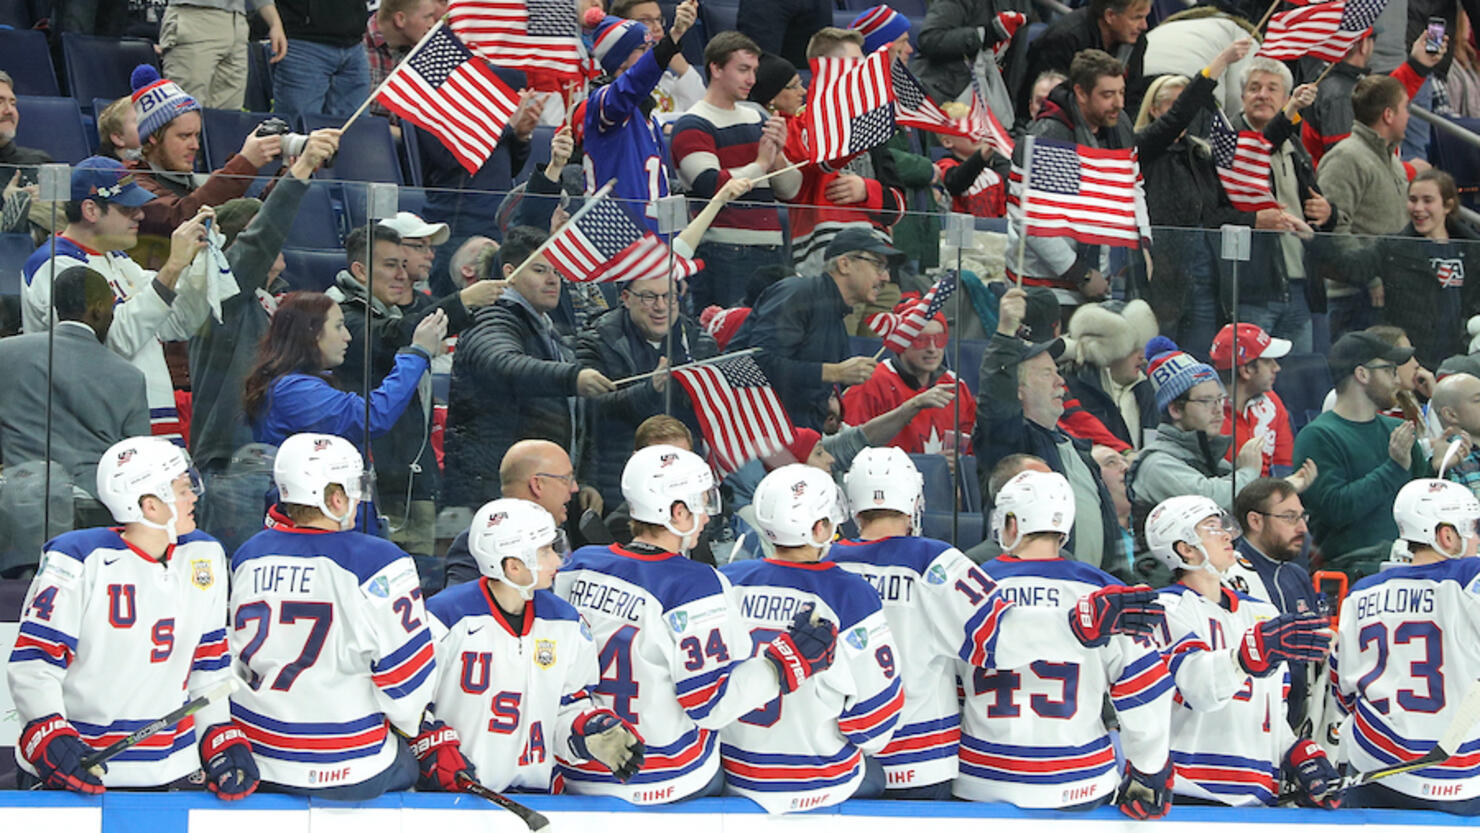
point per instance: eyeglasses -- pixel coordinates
(419, 245)
(1376, 367)
(1291, 518)
(570, 479)
(796, 84)
(1210, 400)
(881, 265)
(650, 299)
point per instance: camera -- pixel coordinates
(292, 142)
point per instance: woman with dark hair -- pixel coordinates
(291, 388)
(1430, 270)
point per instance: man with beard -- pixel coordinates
(1364, 457)
(1270, 565)
(17, 164)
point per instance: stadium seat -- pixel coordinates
(939, 490)
(971, 488)
(224, 132)
(864, 345)
(25, 55)
(54, 125)
(1034, 30)
(1302, 384)
(972, 351)
(317, 225)
(693, 42)
(969, 526)
(539, 152)
(14, 249)
(408, 152)
(259, 77)
(356, 207)
(908, 8)
(312, 269)
(367, 153)
(719, 17)
(99, 67)
(1459, 158)
(513, 77)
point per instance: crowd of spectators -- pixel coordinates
(1119, 368)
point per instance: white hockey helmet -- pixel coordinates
(1182, 518)
(1040, 501)
(658, 475)
(140, 466)
(513, 528)
(1422, 506)
(885, 478)
(306, 464)
(791, 500)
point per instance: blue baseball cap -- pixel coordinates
(107, 180)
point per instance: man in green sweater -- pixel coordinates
(1364, 458)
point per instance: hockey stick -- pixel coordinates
(533, 820)
(1466, 715)
(93, 763)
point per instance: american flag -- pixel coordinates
(900, 329)
(849, 105)
(913, 107)
(603, 243)
(1242, 158)
(447, 90)
(1321, 30)
(738, 411)
(1092, 195)
(522, 34)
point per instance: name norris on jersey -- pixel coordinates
(282, 578)
(602, 598)
(1396, 600)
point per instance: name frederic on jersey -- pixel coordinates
(603, 598)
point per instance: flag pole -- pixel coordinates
(1325, 72)
(375, 92)
(1022, 248)
(590, 203)
(697, 363)
(1268, 13)
(789, 168)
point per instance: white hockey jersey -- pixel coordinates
(806, 750)
(1229, 733)
(512, 697)
(1032, 734)
(672, 648)
(1407, 652)
(112, 639)
(332, 629)
(941, 607)
(142, 317)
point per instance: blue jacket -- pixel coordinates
(798, 324)
(622, 141)
(1290, 589)
(302, 402)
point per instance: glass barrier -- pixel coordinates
(199, 350)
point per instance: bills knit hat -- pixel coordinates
(157, 101)
(615, 39)
(880, 26)
(1173, 372)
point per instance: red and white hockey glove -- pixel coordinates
(439, 755)
(1142, 796)
(56, 750)
(1133, 611)
(1320, 785)
(1289, 637)
(807, 647)
(231, 771)
(603, 737)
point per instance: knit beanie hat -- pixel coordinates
(157, 101)
(1104, 333)
(1173, 372)
(615, 40)
(880, 26)
(772, 75)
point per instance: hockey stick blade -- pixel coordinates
(92, 762)
(533, 820)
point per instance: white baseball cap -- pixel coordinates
(409, 225)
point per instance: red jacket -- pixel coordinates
(1264, 417)
(927, 432)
